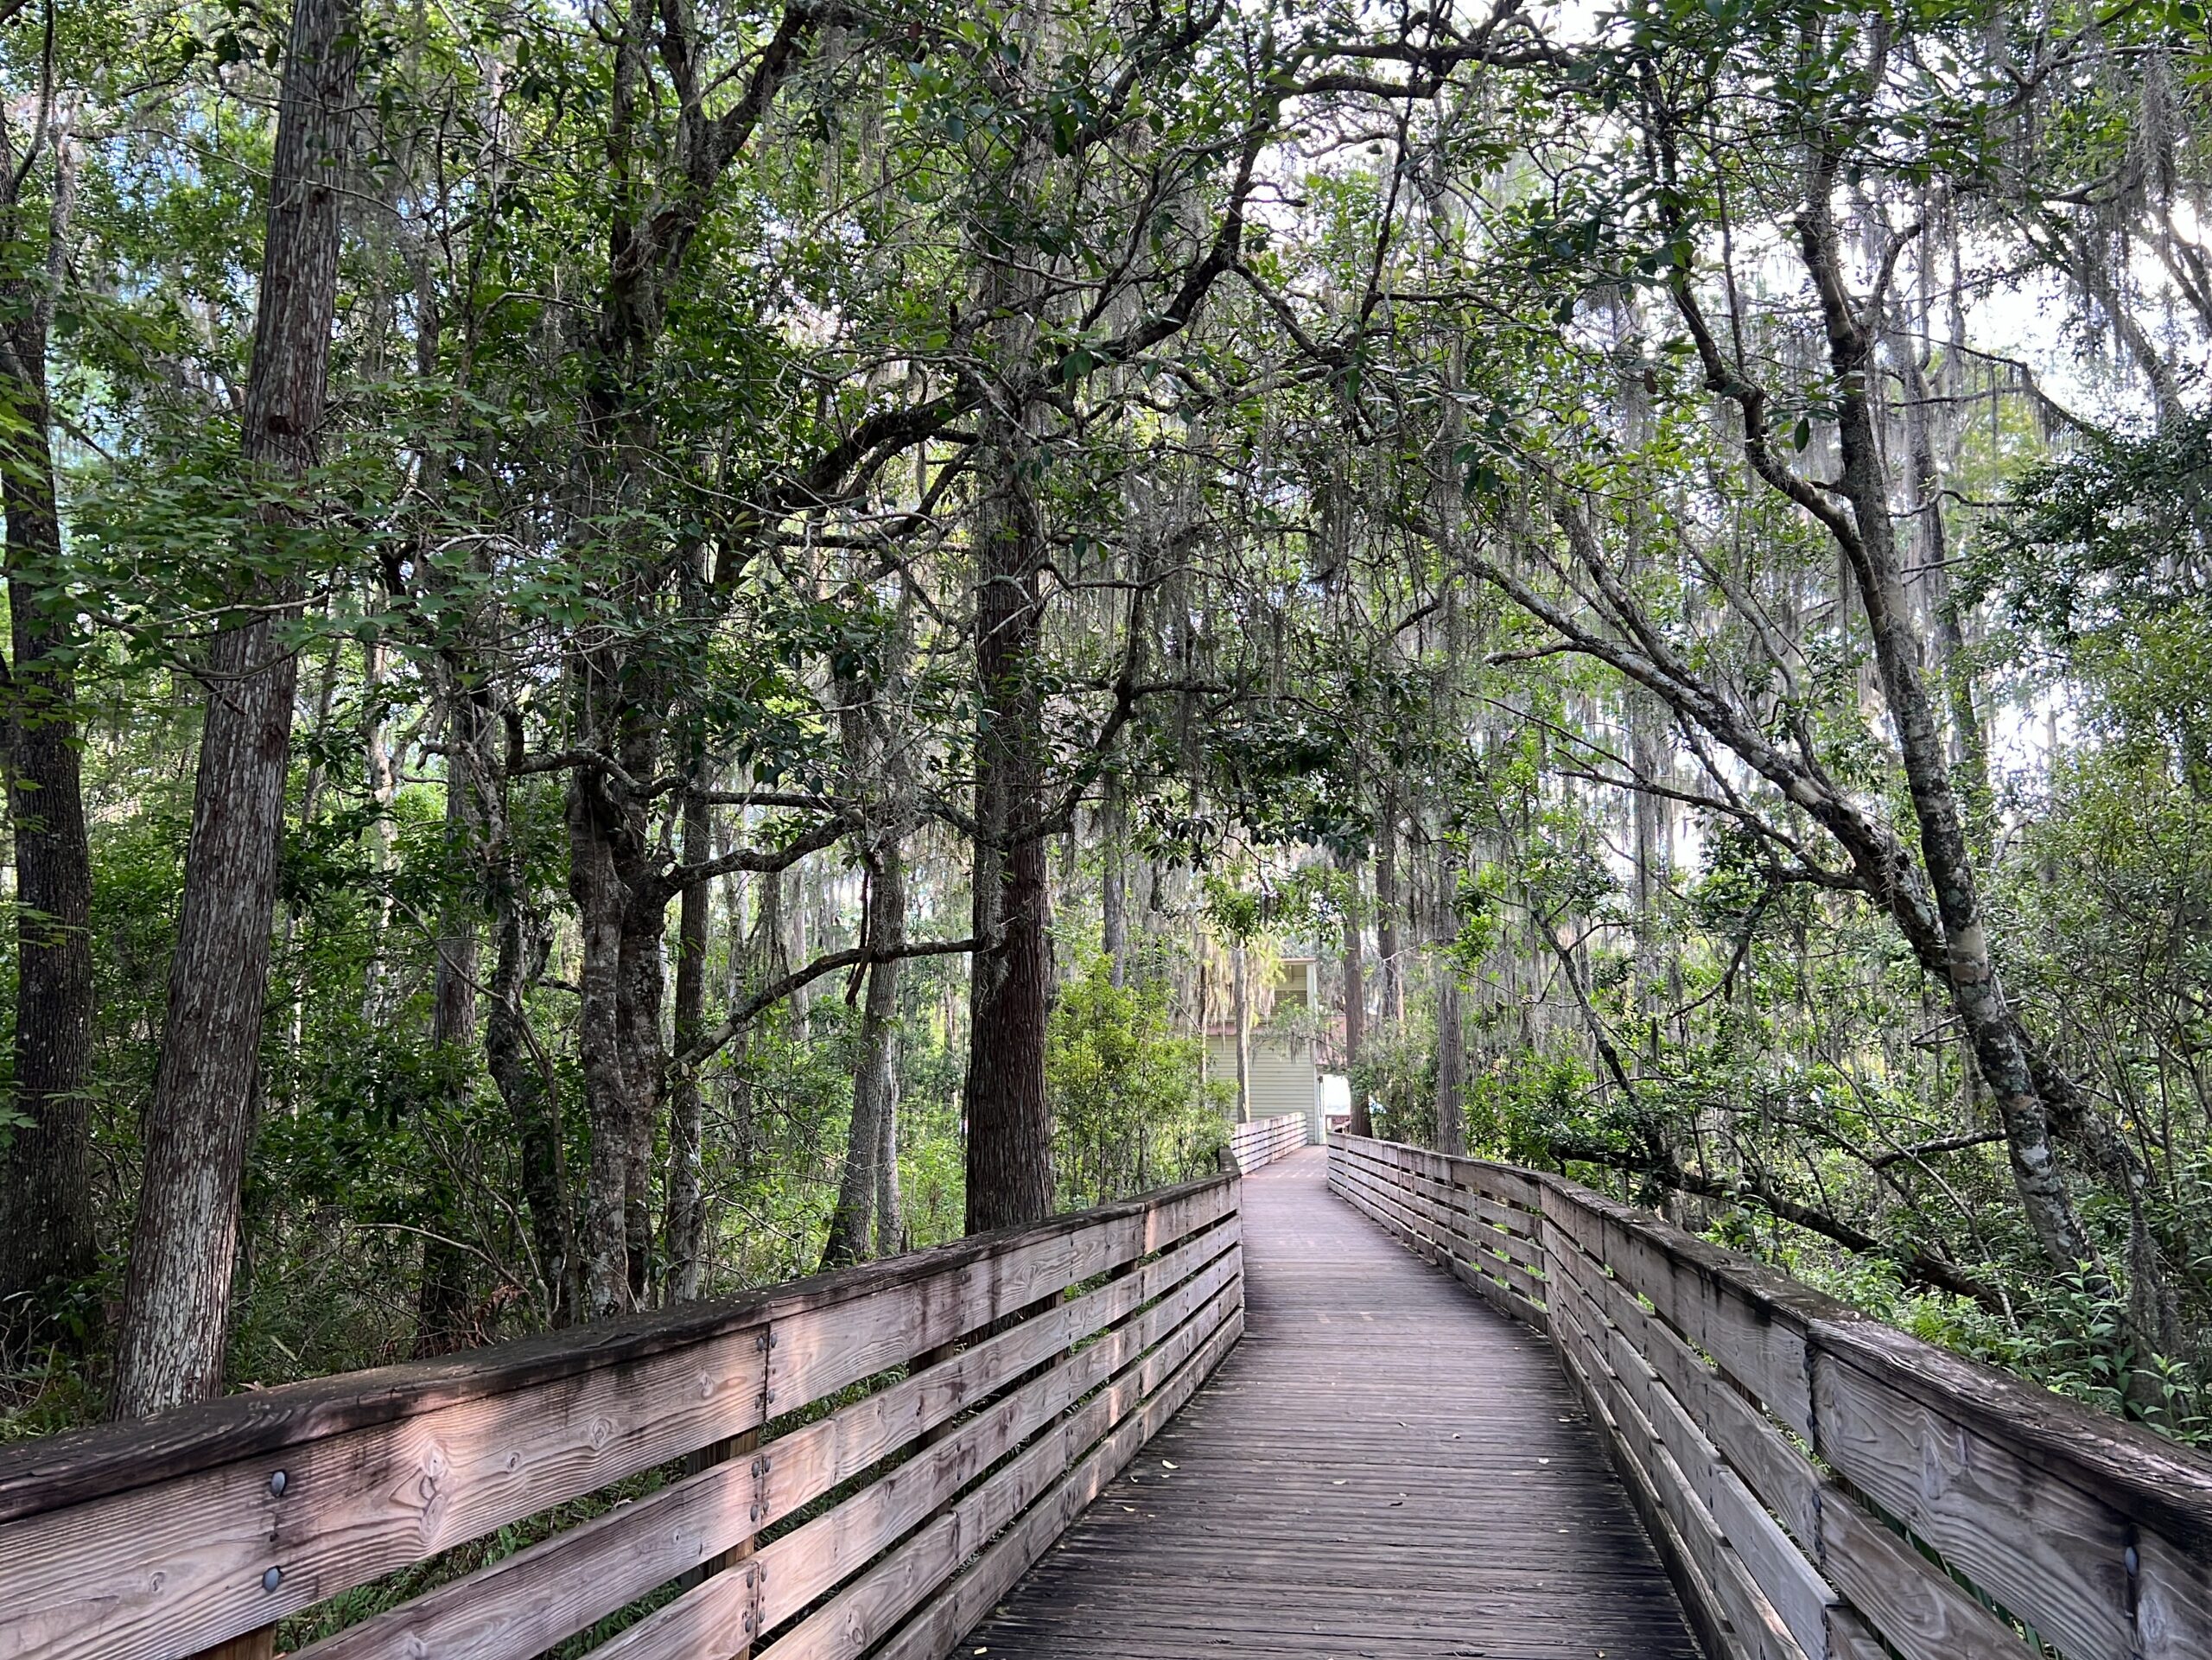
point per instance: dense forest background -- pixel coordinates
(655, 644)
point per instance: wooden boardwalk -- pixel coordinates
(1382, 1467)
(1392, 1462)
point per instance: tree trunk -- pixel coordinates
(644, 983)
(1387, 906)
(441, 1321)
(1240, 1011)
(622, 910)
(1969, 744)
(1355, 1000)
(1113, 885)
(1451, 1034)
(526, 1080)
(868, 1187)
(876, 774)
(46, 1193)
(1650, 851)
(1870, 552)
(1009, 1131)
(383, 779)
(890, 1209)
(176, 1300)
(686, 1220)
(1451, 1066)
(597, 891)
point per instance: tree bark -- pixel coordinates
(526, 1080)
(1009, 1164)
(597, 890)
(441, 1318)
(645, 979)
(686, 1216)
(662, 176)
(1355, 1000)
(1969, 743)
(621, 901)
(176, 1299)
(1240, 1012)
(1387, 907)
(1114, 884)
(1868, 543)
(1451, 1032)
(46, 1191)
(876, 774)
(890, 1207)
(869, 1189)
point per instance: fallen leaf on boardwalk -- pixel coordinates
(1169, 1464)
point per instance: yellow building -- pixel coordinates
(1281, 1069)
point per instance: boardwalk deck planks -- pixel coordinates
(1380, 1468)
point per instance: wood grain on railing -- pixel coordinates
(1821, 1485)
(903, 1414)
(1264, 1140)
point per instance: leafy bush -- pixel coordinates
(1127, 1109)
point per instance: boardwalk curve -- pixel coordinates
(1382, 1467)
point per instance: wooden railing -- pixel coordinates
(1819, 1484)
(874, 1455)
(1264, 1140)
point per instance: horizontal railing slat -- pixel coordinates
(527, 1602)
(1107, 1429)
(384, 1471)
(1259, 1141)
(959, 1607)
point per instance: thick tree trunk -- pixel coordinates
(869, 1189)
(1451, 1034)
(686, 1216)
(441, 1319)
(1388, 903)
(597, 890)
(645, 1060)
(890, 1208)
(46, 1192)
(1114, 884)
(1009, 1131)
(622, 909)
(1355, 1000)
(525, 1079)
(876, 774)
(1240, 1011)
(176, 1300)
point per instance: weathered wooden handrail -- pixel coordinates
(1264, 1140)
(865, 1434)
(1815, 1479)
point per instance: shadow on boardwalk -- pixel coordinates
(1382, 1467)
